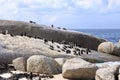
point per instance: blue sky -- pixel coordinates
(64, 13)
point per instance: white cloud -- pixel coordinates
(94, 6)
(113, 5)
(11, 9)
(98, 6)
(14, 6)
(83, 3)
(55, 4)
(51, 10)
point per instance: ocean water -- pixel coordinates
(108, 34)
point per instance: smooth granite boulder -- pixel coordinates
(78, 68)
(42, 65)
(119, 75)
(106, 47)
(116, 50)
(49, 33)
(20, 63)
(110, 48)
(22, 46)
(98, 57)
(109, 73)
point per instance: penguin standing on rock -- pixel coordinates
(87, 50)
(11, 35)
(68, 51)
(32, 22)
(79, 53)
(52, 41)
(4, 32)
(21, 34)
(75, 52)
(31, 75)
(52, 25)
(58, 46)
(45, 40)
(82, 51)
(25, 34)
(51, 47)
(77, 49)
(63, 50)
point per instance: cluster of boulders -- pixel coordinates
(74, 68)
(108, 73)
(110, 48)
(37, 64)
(77, 68)
(84, 70)
(71, 65)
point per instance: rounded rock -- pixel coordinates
(42, 65)
(106, 47)
(78, 68)
(20, 63)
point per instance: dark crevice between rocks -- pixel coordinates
(93, 60)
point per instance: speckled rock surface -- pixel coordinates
(20, 63)
(77, 68)
(42, 64)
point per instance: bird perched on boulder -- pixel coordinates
(45, 40)
(82, 50)
(87, 50)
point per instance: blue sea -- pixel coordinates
(108, 34)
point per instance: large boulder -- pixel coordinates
(110, 48)
(20, 63)
(119, 75)
(109, 73)
(107, 64)
(106, 47)
(42, 64)
(78, 68)
(116, 50)
(98, 57)
(47, 32)
(22, 46)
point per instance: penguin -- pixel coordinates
(87, 50)
(32, 22)
(52, 41)
(75, 52)
(52, 25)
(31, 75)
(45, 40)
(68, 51)
(82, 50)
(58, 46)
(51, 47)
